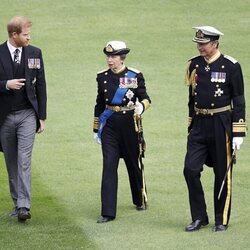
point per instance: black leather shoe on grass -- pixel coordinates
(105, 219)
(196, 225)
(140, 208)
(219, 228)
(23, 214)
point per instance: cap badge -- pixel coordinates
(109, 48)
(199, 34)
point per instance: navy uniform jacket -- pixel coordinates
(35, 81)
(216, 85)
(108, 82)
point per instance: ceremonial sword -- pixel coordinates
(232, 161)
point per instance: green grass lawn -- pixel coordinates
(67, 164)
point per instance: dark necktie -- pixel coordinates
(16, 56)
(16, 59)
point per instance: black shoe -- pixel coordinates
(140, 208)
(219, 228)
(23, 214)
(196, 225)
(104, 219)
(14, 213)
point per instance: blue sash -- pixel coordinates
(117, 100)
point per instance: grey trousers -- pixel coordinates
(17, 136)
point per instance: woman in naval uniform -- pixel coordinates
(121, 94)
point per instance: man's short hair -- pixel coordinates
(17, 23)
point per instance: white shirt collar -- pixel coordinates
(12, 48)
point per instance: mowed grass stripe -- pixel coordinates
(51, 226)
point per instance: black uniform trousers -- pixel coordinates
(119, 139)
(208, 143)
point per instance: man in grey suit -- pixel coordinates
(22, 109)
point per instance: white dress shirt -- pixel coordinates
(12, 50)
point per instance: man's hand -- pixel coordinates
(42, 126)
(237, 141)
(15, 83)
(97, 139)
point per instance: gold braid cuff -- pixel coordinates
(96, 121)
(146, 104)
(189, 121)
(239, 127)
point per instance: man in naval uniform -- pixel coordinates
(216, 125)
(121, 94)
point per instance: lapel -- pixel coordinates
(27, 54)
(6, 60)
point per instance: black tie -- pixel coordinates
(16, 59)
(16, 56)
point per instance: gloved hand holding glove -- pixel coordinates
(237, 141)
(97, 139)
(138, 108)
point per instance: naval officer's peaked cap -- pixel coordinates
(206, 34)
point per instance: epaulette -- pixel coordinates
(231, 59)
(102, 71)
(192, 58)
(134, 70)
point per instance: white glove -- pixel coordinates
(97, 139)
(138, 108)
(237, 141)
